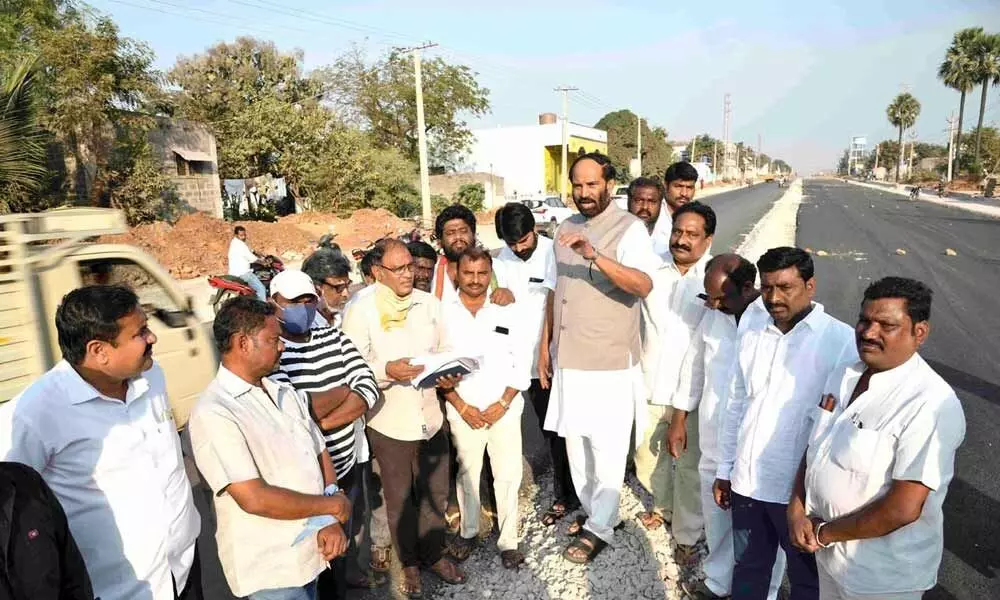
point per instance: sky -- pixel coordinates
(804, 76)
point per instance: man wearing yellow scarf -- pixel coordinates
(391, 326)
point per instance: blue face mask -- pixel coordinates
(298, 318)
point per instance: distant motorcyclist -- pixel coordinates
(241, 257)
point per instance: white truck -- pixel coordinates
(43, 256)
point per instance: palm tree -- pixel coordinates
(902, 114)
(958, 72)
(987, 70)
(22, 153)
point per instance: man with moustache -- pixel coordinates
(782, 365)
(526, 265)
(424, 259)
(670, 314)
(604, 262)
(484, 410)
(98, 428)
(704, 386)
(868, 495)
(680, 179)
(645, 200)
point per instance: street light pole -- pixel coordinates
(638, 143)
(425, 181)
(564, 174)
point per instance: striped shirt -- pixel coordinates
(329, 360)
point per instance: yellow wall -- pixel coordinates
(552, 155)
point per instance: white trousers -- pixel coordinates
(597, 464)
(502, 442)
(829, 589)
(718, 565)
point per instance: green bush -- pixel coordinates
(471, 195)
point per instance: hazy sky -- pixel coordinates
(805, 75)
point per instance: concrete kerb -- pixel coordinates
(776, 227)
(982, 208)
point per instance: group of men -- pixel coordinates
(753, 417)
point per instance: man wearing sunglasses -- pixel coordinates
(330, 271)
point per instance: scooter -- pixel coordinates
(230, 286)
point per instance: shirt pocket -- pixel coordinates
(855, 449)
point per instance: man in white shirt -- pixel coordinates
(869, 492)
(99, 429)
(484, 410)
(782, 364)
(273, 483)
(704, 386)
(670, 314)
(604, 261)
(455, 228)
(645, 200)
(240, 259)
(526, 265)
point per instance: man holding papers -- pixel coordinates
(390, 326)
(484, 410)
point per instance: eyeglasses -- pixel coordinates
(339, 288)
(400, 269)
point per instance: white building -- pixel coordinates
(529, 157)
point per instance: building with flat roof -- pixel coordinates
(529, 157)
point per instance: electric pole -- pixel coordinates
(425, 180)
(727, 151)
(878, 150)
(756, 156)
(638, 143)
(694, 144)
(951, 143)
(909, 164)
(564, 173)
(715, 157)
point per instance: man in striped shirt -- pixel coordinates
(322, 359)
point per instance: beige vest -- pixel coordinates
(596, 324)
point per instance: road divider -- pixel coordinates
(776, 227)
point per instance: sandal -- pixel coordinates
(584, 549)
(460, 548)
(556, 512)
(381, 559)
(511, 559)
(448, 572)
(453, 520)
(651, 520)
(576, 526)
(367, 581)
(411, 586)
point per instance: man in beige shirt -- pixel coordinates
(390, 326)
(258, 448)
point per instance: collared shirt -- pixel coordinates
(530, 281)
(242, 432)
(240, 257)
(448, 290)
(670, 313)
(779, 378)
(905, 427)
(661, 232)
(117, 469)
(320, 322)
(706, 377)
(501, 339)
(403, 413)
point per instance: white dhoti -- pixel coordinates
(594, 411)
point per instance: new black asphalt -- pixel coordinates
(861, 230)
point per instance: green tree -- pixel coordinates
(781, 166)
(621, 128)
(22, 152)
(887, 152)
(958, 71)
(471, 196)
(987, 70)
(902, 114)
(380, 97)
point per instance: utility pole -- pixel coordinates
(638, 142)
(425, 180)
(756, 156)
(564, 173)
(909, 164)
(727, 151)
(691, 150)
(878, 150)
(715, 157)
(951, 143)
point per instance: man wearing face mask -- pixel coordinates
(319, 360)
(705, 382)
(670, 314)
(331, 273)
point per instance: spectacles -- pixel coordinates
(400, 269)
(339, 288)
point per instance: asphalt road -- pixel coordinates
(862, 229)
(738, 210)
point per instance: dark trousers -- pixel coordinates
(332, 583)
(758, 529)
(192, 588)
(415, 486)
(562, 482)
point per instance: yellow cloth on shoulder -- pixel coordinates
(392, 309)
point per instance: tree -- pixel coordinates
(957, 71)
(708, 146)
(842, 164)
(780, 166)
(621, 128)
(266, 115)
(22, 152)
(902, 114)
(381, 99)
(987, 70)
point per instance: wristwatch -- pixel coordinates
(819, 527)
(331, 489)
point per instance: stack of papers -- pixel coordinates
(441, 365)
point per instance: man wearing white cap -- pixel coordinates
(320, 360)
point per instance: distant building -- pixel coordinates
(529, 157)
(188, 157)
(857, 154)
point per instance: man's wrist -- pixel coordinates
(818, 533)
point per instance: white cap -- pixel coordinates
(292, 283)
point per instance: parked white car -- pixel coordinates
(549, 210)
(620, 196)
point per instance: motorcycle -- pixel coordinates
(230, 286)
(915, 192)
(942, 191)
